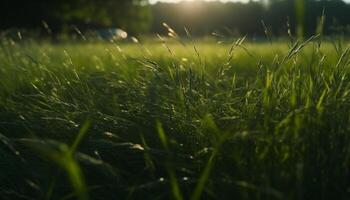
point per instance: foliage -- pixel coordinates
(133, 16)
(236, 19)
(203, 18)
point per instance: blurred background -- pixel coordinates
(226, 18)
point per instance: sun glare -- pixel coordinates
(177, 1)
(171, 1)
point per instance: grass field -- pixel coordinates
(175, 120)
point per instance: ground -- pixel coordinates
(180, 119)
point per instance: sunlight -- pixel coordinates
(177, 1)
(171, 1)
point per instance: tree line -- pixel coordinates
(253, 18)
(61, 15)
(202, 18)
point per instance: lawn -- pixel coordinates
(175, 119)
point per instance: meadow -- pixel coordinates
(175, 119)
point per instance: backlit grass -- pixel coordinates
(174, 120)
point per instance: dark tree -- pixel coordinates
(133, 15)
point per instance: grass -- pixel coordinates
(169, 120)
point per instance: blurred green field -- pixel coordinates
(175, 120)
